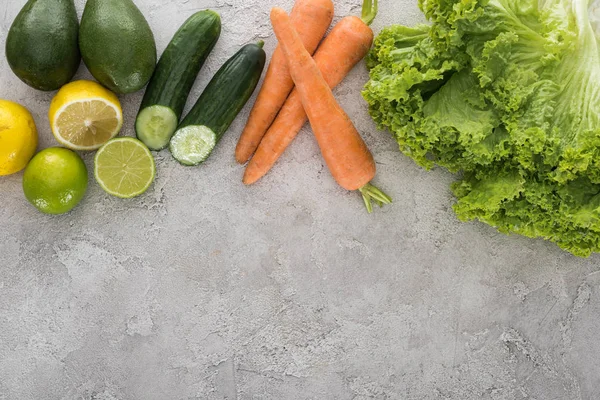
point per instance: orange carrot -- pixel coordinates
(349, 160)
(311, 18)
(346, 45)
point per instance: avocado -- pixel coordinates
(117, 45)
(41, 47)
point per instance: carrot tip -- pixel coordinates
(371, 193)
(246, 180)
(278, 11)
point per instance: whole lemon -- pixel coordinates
(55, 180)
(18, 137)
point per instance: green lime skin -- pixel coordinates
(117, 45)
(42, 47)
(55, 180)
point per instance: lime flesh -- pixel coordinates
(124, 167)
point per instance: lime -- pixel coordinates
(55, 180)
(124, 167)
(18, 137)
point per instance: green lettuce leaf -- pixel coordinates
(507, 92)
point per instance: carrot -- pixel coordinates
(311, 18)
(346, 45)
(349, 160)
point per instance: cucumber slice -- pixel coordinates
(193, 144)
(155, 126)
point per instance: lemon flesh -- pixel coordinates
(85, 115)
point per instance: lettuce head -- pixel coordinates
(507, 94)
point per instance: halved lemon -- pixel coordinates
(84, 115)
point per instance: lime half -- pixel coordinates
(124, 167)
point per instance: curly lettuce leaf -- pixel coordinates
(508, 93)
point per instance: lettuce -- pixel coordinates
(507, 94)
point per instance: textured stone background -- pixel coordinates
(206, 289)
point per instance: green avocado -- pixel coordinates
(117, 45)
(41, 47)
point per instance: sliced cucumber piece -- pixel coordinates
(155, 126)
(193, 144)
(224, 96)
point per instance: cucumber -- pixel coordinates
(218, 106)
(174, 77)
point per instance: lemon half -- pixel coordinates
(84, 115)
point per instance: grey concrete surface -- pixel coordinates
(206, 289)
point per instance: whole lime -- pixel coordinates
(55, 180)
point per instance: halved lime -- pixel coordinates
(193, 144)
(124, 167)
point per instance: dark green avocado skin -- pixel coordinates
(117, 45)
(42, 47)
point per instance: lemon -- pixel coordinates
(18, 137)
(55, 180)
(84, 115)
(124, 167)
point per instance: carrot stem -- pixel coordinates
(371, 193)
(369, 11)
